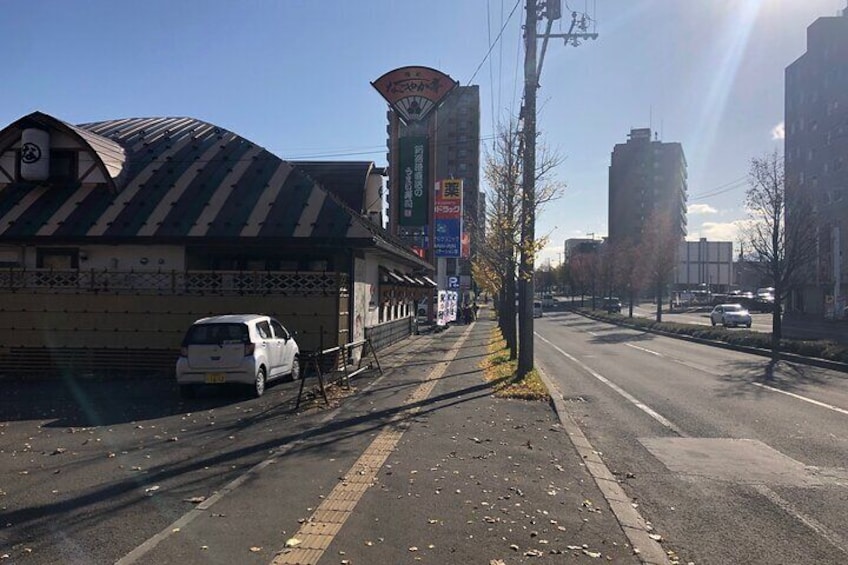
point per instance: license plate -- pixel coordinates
(215, 378)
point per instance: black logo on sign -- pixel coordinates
(30, 153)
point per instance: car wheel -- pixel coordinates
(748, 325)
(295, 372)
(259, 383)
(187, 391)
(712, 322)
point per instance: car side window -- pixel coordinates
(279, 331)
(263, 329)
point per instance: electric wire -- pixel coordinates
(492, 46)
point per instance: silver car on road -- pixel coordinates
(730, 315)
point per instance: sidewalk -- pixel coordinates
(422, 465)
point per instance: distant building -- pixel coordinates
(579, 246)
(816, 153)
(646, 177)
(705, 265)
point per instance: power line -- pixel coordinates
(721, 189)
(492, 46)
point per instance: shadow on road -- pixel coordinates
(741, 377)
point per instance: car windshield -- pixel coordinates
(734, 308)
(215, 334)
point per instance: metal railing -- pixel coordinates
(387, 333)
(338, 365)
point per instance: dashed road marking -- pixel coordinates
(804, 398)
(655, 353)
(630, 398)
(610, 489)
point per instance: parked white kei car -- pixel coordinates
(247, 349)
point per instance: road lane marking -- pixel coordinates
(804, 398)
(630, 398)
(832, 538)
(817, 527)
(202, 508)
(633, 524)
(644, 349)
(321, 528)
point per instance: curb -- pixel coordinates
(634, 526)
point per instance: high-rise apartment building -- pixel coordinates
(647, 180)
(816, 159)
(453, 133)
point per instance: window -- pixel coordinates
(279, 331)
(263, 329)
(63, 165)
(60, 259)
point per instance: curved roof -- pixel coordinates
(346, 179)
(109, 155)
(182, 179)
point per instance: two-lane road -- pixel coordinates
(729, 465)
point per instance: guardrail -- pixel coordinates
(337, 364)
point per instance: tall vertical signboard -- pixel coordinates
(447, 218)
(414, 169)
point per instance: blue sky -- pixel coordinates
(294, 76)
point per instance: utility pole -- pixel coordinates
(528, 203)
(532, 74)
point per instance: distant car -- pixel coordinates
(537, 309)
(612, 305)
(246, 349)
(730, 315)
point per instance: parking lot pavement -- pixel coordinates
(422, 464)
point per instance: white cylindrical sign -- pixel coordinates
(35, 154)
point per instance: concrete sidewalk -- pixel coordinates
(420, 465)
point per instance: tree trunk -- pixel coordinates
(659, 302)
(510, 332)
(776, 320)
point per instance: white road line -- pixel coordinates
(832, 537)
(630, 398)
(633, 524)
(804, 398)
(644, 349)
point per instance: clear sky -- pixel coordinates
(294, 76)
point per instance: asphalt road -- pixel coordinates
(730, 466)
(760, 322)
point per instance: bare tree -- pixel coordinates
(658, 250)
(498, 259)
(628, 265)
(780, 233)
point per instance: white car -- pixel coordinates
(730, 315)
(537, 309)
(247, 349)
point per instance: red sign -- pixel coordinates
(413, 92)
